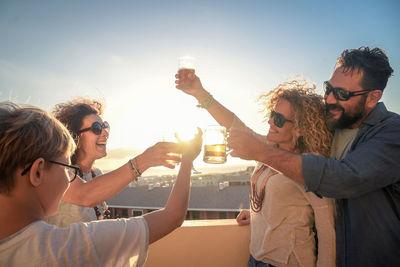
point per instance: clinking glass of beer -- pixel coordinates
(215, 144)
(186, 64)
(214, 138)
(172, 137)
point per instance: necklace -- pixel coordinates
(106, 212)
(257, 198)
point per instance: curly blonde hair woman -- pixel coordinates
(308, 114)
(283, 216)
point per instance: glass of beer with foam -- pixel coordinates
(186, 65)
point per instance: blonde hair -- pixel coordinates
(26, 134)
(308, 111)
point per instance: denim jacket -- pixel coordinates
(366, 184)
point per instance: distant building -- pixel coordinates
(219, 198)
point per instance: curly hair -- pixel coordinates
(309, 114)
(72, 113)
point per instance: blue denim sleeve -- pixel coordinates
(372, 164)
(313, 167)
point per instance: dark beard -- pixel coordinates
(346, 120)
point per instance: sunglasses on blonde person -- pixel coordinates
(279, 119)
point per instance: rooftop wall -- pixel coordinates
(202, 243)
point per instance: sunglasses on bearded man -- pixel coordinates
(96, 128)
(341, 94)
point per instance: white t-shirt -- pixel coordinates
(121, 242)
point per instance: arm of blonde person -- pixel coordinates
(191, 85)
(286, 162)
(164, 221)
(324, 215)
(107, 185)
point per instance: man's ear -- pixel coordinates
(36, 173)
(373, 98)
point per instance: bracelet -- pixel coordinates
(206, 103)
(137, 169)
(134, 169)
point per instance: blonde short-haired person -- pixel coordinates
(282, 215)
(35, 172)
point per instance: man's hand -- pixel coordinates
(161, 154)
(243, 144)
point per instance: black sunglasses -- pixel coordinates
(96, 128)
(72, 168)
(341, 94)
(279, 119)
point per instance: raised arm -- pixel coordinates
(105, 186)
(164, 221)
(191, 85)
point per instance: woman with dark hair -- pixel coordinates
(35, 172)
(84, 201)
(282, 215)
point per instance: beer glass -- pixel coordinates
(186, 65)
(215, 144)
(171, 137)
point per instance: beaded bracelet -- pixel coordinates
(134, 169)
(206, 103)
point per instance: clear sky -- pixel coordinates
(126, 53)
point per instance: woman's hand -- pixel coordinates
(189, 83)
(161, 154)
(191, 149)
(243, 218)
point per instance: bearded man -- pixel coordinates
(362, 173)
